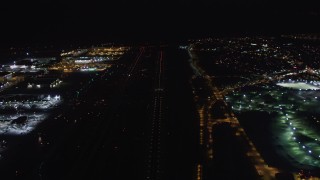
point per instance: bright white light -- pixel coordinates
(57, 97)
(19, 129)
(298, 85)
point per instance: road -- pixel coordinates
(206, 103)
(154, 157)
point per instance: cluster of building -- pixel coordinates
(28, 65)
(312, 37)
(90, 59)
(30, 87)
(44, 83)
(253, 55)
(21, 109)
(26, 101)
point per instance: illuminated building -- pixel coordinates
(43, 83)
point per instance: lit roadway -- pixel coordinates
(207, 123)
(250, 83)
(154, 154)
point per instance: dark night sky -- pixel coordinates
(49, 21)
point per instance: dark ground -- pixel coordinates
(104, 131)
